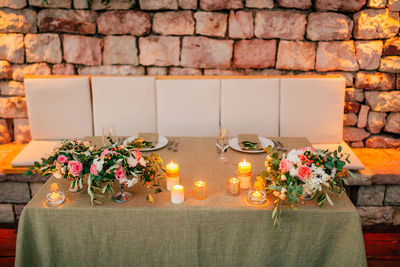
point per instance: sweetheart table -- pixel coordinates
(221, 230)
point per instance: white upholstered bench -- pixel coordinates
(77, 106)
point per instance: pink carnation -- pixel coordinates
(137, 155)
(285, 165)
(75, 168)
(93, 170)
(119, 174)
(62, 159)
(304, 172)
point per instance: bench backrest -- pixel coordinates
(309, 106)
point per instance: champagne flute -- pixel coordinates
(222, 142)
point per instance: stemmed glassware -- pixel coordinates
(222, 142)
(109, 134)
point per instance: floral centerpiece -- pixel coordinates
(70, 160)
(304, 173)
(128, 167)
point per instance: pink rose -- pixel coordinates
(93, 170)
(285, 165)
(119, 174)
(105, 152)
(75, 168)
(304, 172)
(62, 159)
(310, 148)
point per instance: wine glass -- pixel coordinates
(222, 142)
(110, 135)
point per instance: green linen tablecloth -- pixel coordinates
(221, 230)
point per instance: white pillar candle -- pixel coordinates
(172, 169)
(244, 174)
(177, 194)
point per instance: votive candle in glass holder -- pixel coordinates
(177, 194)
(234, 186)
(54, 195)
(200, 190)
(172, 169)
(256, 196)
(244, 174)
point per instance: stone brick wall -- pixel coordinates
(358, 39)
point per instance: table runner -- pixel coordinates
(221, 230)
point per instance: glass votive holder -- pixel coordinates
(234, 186)
(55, 196)
(256, 197)
(200, 190)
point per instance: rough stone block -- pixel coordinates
(111, 70)
(120, 50)
(351, 107)
(12, 47)
(392, 47)
(18, 210)
(393, 123)
(159, 50)
(383, 101)
(371, 195)
(340, 5)
(376, 121)
(392, 195)
(19, 71)
(35, 187)
(300, 4)
(241, 25)
(156, 71)
(376, 215)
(354, 134)
(82, 50)
(6, 213)
(12, 88)
(210, 5)
(260, 3)
(5, 132)
(124, 22)
(16, 4)
(202, 52)
(211, 23)
(363, 116)
(51, 3)
(14, 192)
(44, 47)
(369, 54)
(280, 24)
(376, 24)
(296, 55)
(174, 71)
(358, 144)
(158, 4)
(21, 21)
(63, 69)
(382, 141)
(349, 119)
(5, 70)
(394, 5)
(375, 81)
(354, 95)
(326, 26)
(187, 4)
(336, 56)
(258, 54)
(376, 3)
(22, 131)
(98, 5)
(70, 21)
(218, 72)
(13, 107)
(390, 64)
(174, 23)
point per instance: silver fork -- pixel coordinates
(282, 146)
(276, 145)
(176, 146)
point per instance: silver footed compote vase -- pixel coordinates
(122, 196)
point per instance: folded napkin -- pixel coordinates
(249, 142)
(150, 138)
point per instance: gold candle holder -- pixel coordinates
(234, 186)
(200, 190)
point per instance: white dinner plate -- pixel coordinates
(162, 142)
(265, 142)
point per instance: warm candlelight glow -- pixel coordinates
(244, 173)
(172, 169)
(234, 186)
(54, 187)
(257, 195)
(177, 194)
(244, 167)
(200, 190)
(54, 196)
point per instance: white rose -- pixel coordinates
(132, 162)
